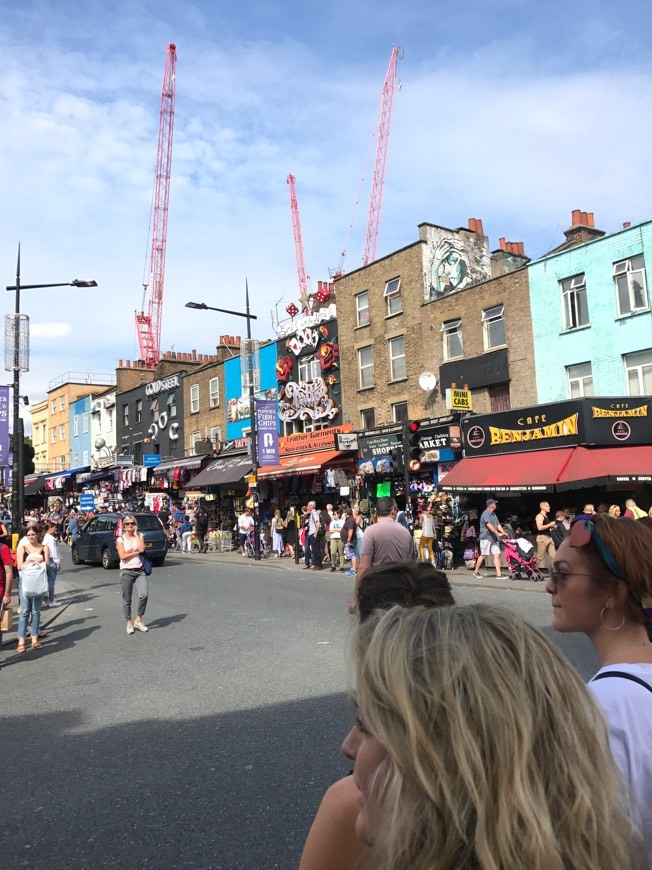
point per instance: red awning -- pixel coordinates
(302, 463)
(560, 469)
(534, 471)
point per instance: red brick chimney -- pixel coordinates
(581, 230)
(475, 225)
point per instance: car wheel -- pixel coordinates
(107, 561)
(75, 556)
(158, 562)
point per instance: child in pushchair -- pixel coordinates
(521, 557)
(249, 544)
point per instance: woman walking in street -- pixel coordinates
(129, 546)
(277, 533)
(31, 554)
(601, 585)
(291, 531)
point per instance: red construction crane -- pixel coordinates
(148, 322)
(304, 290)
(384, 125)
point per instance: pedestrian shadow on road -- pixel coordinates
(50, 645)
(163, 621)
(234, 790)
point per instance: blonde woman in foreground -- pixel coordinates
(480, 747)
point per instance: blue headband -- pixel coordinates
(583, 530)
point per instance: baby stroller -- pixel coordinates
(250, 552)
(521, 557)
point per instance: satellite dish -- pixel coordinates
(427, 381)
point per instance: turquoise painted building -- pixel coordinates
(80, 432)
(238, 423)
(591, 316)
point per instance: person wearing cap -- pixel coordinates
(490, 533)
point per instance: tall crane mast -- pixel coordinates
(384, 126)
(148, 322)
(304, 290)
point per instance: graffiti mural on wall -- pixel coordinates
(452, 261)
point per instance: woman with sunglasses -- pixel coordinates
(601, 585)
(129, 546)
(31, 551)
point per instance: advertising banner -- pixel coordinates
(267, 432)
(4, 425)
(620, 421)
(559, 424)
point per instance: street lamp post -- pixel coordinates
(18, 483)
(201, 306)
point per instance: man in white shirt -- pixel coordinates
(245, 524)
(427, 534)
(50, 541)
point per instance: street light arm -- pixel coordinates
(75, 283)
(203, 307)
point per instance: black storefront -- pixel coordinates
(150, 420)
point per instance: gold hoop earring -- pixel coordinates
(608, 627)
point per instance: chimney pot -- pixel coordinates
(478, 227)
(194, 354)
(501, 244)
(473, 225)
(576, 217)
(627, 225)
(589, 219)
(585, 219)
(119, 363)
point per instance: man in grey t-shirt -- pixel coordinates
(490, 533)
(385, 541)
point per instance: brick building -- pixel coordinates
(204, 397)
(442, 305)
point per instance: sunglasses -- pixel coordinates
(130, 524)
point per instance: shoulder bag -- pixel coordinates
(147, 565)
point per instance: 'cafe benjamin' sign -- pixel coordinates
(554, 425)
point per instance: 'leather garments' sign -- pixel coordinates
(556, 425)
(618, 421)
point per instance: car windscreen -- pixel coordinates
(149, 523)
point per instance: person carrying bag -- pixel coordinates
(33, 561)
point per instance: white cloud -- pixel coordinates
(49, 330)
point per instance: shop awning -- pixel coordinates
(229, 470)
(65, 474)
(189, 462)
(534, 471)
(99, 475)
(302, 463)
(561, 469)
(33, 487)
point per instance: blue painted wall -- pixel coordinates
(81, 442)
(233, 385)
(608, 337)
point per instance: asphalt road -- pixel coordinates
(205, 743)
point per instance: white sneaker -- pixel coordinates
(477, 575)
(131, 629)
(55, 603)
(140, 625)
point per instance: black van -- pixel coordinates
(96, 541)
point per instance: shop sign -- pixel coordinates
(87, 501)
(124, 460)
(267, 433)
(308, 321)
(308, 442)
(378, 446)
(307, 401)
(458, 400)
(618, 421)
(346, 441)
(434, 439)
(556, 425)
(151, 460)
(4, 424)
(156, 387)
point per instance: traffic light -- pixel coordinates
(396, 460)
(414, 439)
(28, 459)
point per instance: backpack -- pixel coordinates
(324, 522)
(278, 524)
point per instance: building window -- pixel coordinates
(397, 366)
(138, 453)
(75, 460)
(400, 412)
(62, 431)
(85, 422)
(53, 406)
(75, 425)
(366, 367)
(362, 309)
(638, 367)
(194, 398)
(215, 436)
(125, 415)
(499, 397)
(53, 436)
(194, 438)
(85, 462)
(309, 368)
(172, 405)
(109, 420)
(139, 410)
(575, 306)
(62, 403)
(493, 326)
(368, 418)
(214, 392)
(580, 380)
(99, 422)
(393, 296)
(452, 334)
(631, 286)
(315, 425)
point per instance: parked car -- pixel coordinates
(96, 541)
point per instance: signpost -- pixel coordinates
(267, 432)
(87, 502)
(151, 460)
(458, 400)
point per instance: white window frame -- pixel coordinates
(215, 435)
(363, 369)
(362, 311)
(311, 425)
(85, 462)
(138, 410)
(365, 424)
(571, 289)
(109, 417)
(62, 431)
(579, 385)
(214, 392)
(626, 269)
(393, 296)
(194, 438)
(194, 399)
(62, 403)
(632, 365)
(394, 358)
(75, 425)
(125, 414)
(75, 460)
(85, 422)
(53, 406)
(395, 406)
(495, 314)
(53, 435)
(448, 329)
(309, 368)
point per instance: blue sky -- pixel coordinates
(509, 111)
